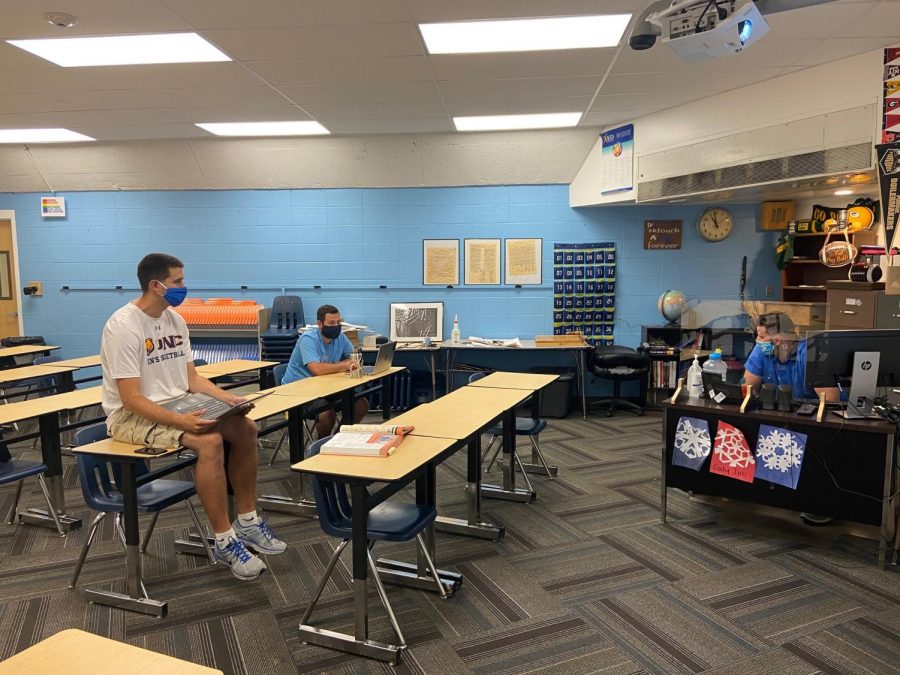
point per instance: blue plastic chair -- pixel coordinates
(153, 494)
(525, 426)
(17, 470)
(388, 521)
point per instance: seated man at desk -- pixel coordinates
(778, 357)
(323, 351)
(146, 356)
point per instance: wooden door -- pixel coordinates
(9, 303)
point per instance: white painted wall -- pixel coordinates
(823, 89)
(401, 160)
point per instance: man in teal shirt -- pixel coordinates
(324, 351)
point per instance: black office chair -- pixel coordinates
(620, 364)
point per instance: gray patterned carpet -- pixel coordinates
(586, 580)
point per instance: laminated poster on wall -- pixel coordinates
(779, 455)
(731, 454)
(617, 159)
(692, 443)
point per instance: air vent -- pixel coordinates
(847, 159)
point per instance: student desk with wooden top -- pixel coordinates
(462, 415)
(10, 376)
(76, 652)
(534, 383)
(310, 389)
(213, 371)
(23, 350)
(47, 409)
(415, 459)
(66, 380)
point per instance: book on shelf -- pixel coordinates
(366, 440)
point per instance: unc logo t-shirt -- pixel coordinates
(157, 350)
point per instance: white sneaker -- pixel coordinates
(244, 565)
(259, 537)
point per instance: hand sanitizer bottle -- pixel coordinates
(695, 379)
(454, 334)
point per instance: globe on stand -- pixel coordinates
(671, 304)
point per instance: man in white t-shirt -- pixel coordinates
(146, 357)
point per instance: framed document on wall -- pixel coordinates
(482, 262)
(523, 262)
(415, 321)
(440, 262)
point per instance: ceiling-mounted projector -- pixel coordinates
(706, 29)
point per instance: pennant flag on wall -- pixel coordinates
(779, 455)
(692, 444)
(732, 456)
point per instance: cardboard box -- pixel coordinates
(776, 215)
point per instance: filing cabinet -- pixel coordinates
(853, 305)
(887, 311)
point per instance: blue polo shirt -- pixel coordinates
(773, 371)
(311, 348)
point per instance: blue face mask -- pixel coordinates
(175, 296)
(765, 348)
(330, 332)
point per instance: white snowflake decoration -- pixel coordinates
(779, 451)
(692, 441)
(731, 450)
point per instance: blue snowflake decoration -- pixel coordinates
(779, 455)
(692, 443)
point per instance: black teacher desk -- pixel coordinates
(860, 455)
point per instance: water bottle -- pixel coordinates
(454, 334)
(695, 379)
(715, 364)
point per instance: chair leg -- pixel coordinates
(537, 454)
(117, 525)
(430, 563)
(325, 577)
(384, 599)
(11, 516)
(201, 531)
(50, 508)
(496, 452)
(278, 447)
(146, 541)
(87, 546)
(518, 461)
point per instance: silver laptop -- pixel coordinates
(383, 361)
(213, 407)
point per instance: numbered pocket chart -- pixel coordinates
(584, 290)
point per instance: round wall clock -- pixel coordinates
(715, 223)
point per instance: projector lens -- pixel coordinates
(744, 30)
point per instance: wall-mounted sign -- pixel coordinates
(617, 159)
(53, 207)
(662, 234)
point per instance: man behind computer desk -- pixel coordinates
(146, 356)
(324, 351)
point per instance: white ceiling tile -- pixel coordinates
(461, 10)
(602, 119)
(362, 93)
(493, 90)
(840, 48)
(208, 97)
(244, 14)
(319, 42)
(404, 126)
(343, 71)
(814, 22)
(566, 63)
(883, 20)
(710, 83)
(15, 58)
(141, 132)
(239, 113)
(362, 111)
(170, 76)
(113, 117)
(518, 106)
(73, 100)
(25, 18)
(33, 81)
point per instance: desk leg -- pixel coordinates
(267, 377)
(358, 643)
(134, 598)
(664, 495)
(52, 457)
(299, 503)
(433, 377)
(535, 465)
(66, 381)
(387, 390)
(888, 507)
(472, 526)
(417, 575)
(581, 369)
(508, 491)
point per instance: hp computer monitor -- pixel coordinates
(856, 360)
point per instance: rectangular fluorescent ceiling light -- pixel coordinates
(497, 122)
(41, 136)
(123, 50)
(524, 35)
(264, 128)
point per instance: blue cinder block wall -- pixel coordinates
(350, 241)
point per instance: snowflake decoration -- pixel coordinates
(779, 454)
(692, 441)
(732, 448)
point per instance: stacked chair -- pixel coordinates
(285, 323)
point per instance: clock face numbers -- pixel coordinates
(715, 224)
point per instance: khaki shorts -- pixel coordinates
(128, 427)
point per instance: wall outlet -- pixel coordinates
(770, 291)
(34, 288)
